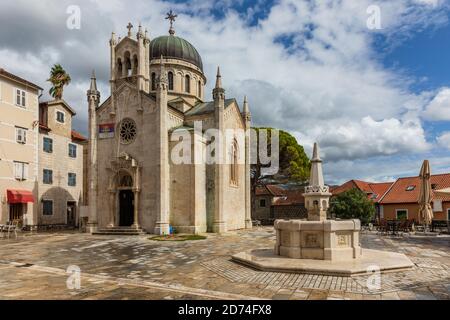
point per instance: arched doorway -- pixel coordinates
(124, 190)
(126, 200)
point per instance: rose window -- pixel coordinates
(127, 131)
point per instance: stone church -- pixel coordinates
(157, 88)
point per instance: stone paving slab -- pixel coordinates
(112, 267)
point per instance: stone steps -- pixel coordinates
(120, 231)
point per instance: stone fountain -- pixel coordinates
(319, 245)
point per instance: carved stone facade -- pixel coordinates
(133, 181)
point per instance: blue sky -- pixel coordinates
(377, 101)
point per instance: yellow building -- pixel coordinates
(19, 125)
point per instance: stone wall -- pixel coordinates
(262, 212)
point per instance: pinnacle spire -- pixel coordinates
(93, 86)
(316, 155)
(162, 73)
(218, 79)
(246, 108)
(316, 177)
(113, 40)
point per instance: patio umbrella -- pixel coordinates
(425, 195)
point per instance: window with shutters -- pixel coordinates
(21, 135)
(20, 171)
(20, 98)
(47, 176)
(48, 145)
(60, 116)
(72, 150)
(72, 179)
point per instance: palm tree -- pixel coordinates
(58, 78)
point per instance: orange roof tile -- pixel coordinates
(399, 193)
(291, 197)
(374, 191)
(342, 188)
(276, 190)
(78, 136)
(285, 196)
(379, 189)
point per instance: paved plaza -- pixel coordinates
(113, 267)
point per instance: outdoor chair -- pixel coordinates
(403, 226)
(420, 227)
(12, 226)
(411, 224)
(383, 227)
(438, 225)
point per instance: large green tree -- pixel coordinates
(294, 163)
(353, 204)
(59, 78)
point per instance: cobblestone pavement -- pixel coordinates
(34, 267)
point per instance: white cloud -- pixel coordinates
(439, 108)
(444, 140)
(307, 67)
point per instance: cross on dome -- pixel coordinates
(171, 17)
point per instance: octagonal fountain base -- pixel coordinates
(325, 247)
(370, 261)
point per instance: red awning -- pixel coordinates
(19, 196)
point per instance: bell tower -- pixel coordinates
(130, 59)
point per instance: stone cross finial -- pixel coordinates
(129, 27)
(171, 17)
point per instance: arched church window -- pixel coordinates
(119, 68)
(199, 89)
(187, 84)
(127, 131)
(125, 181)
(135, 65)
(128, 63)
(170, 76)
(234, 168)
(153, 81)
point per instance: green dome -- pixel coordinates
(175, 47)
